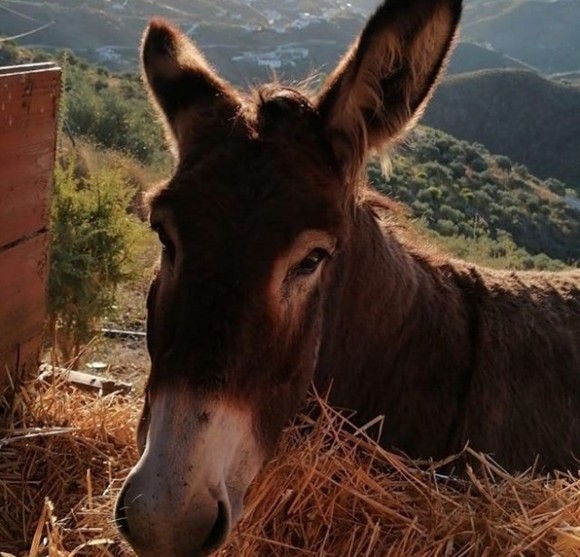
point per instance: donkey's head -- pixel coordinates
(254, 225)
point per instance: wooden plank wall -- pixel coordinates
(29, 97)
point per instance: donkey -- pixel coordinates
(279, 267)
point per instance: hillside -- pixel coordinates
(543, 34)
(458, 189)
(107, 109)
(532, 120)
(470, 57)
(244, 39)
(249, 39)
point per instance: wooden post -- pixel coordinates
(29, 98)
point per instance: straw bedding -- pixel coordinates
(330, 491)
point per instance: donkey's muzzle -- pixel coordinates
(186, 492)
(154, 528)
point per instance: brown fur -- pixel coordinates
(451, 353)
(280, 267)
(489, 358)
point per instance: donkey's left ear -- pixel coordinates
(188, 92)
(383, 83)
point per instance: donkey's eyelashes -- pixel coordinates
(311, 262)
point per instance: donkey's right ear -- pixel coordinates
(185, 88)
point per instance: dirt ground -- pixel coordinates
(122, 357)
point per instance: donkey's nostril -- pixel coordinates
(219, 529)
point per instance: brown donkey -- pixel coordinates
(279, 266)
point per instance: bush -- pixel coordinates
(111, 112)
(555, 186)
(446, 227)
(93, 236)
(479, 165)
(503, 162)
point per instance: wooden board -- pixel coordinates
(28, 119)
(29, 97)
(23, 274)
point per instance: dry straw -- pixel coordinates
(330, 491)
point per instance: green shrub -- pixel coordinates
(555, 186)
(110, 111)
(448, 213)
(446, 227)
(93, 241)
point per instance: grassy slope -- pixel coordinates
(457, 189)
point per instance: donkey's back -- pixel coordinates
(452, 353)
(523, 398)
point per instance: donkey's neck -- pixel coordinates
(396, 338)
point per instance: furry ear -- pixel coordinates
(381, 87)
(187, 91)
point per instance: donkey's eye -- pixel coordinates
(311, 262)
(165, 240)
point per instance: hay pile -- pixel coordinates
(329, 492)
(63, 458)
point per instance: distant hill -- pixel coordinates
(542, 33)
(518, 113)
(245, 39)
(248, 40)
(477, 10)
(470, 57)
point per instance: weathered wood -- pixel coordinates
(29, 97)
(86, 381)
(23, 275)
(28, 116)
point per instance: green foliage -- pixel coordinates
(107, 109)
(482, 197)
(503, 163)
(555, 186)
(501, 253)
(94, 239)
(112, 112)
